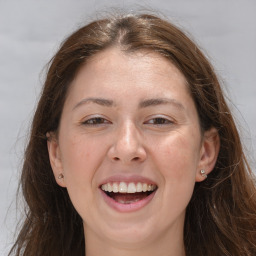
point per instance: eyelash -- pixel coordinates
(97, 121)
(159, 121)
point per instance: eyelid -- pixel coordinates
(85, 120)
(168, 119)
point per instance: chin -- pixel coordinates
(128, 231)
(132, 236)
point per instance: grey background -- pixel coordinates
(30, 32)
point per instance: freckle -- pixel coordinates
(87, 155)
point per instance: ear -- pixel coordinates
(209, 153)
(55, 158)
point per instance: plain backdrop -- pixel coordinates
(31, 31)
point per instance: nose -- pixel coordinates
(127, 146)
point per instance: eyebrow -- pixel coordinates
(99, 101)
(160, 101)
(142, 104)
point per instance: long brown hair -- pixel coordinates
(221, 216)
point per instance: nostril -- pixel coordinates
(116, 159)
(136, 158)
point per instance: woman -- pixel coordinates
(134, 151)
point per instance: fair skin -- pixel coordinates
(130, 117)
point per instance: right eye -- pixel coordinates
(95, 121)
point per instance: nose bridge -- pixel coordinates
(128, 135)
(128, 143)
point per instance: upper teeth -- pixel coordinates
(131, 187)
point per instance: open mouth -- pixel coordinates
(128, 193)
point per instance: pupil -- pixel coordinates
(97, 120)
(160, 120)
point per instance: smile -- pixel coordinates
(128, 196)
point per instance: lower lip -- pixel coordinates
(127, 207)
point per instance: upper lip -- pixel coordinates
(127, 179)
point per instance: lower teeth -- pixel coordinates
(126, 198)
(128, 202)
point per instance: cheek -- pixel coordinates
(80, 158)
(179, 151)
(78, 153)
(74, 155)
(177, 159)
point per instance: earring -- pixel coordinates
(203, 173)
(61, 176)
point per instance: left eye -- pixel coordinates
(95, 121)
(159, 121)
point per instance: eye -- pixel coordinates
(159, 121)
(95, 121)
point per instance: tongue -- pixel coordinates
(128, 198)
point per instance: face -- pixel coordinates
(130, 148)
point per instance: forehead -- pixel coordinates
(116, 69)
(145, 60)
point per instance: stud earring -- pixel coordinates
(203, 173)
(61, 176)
